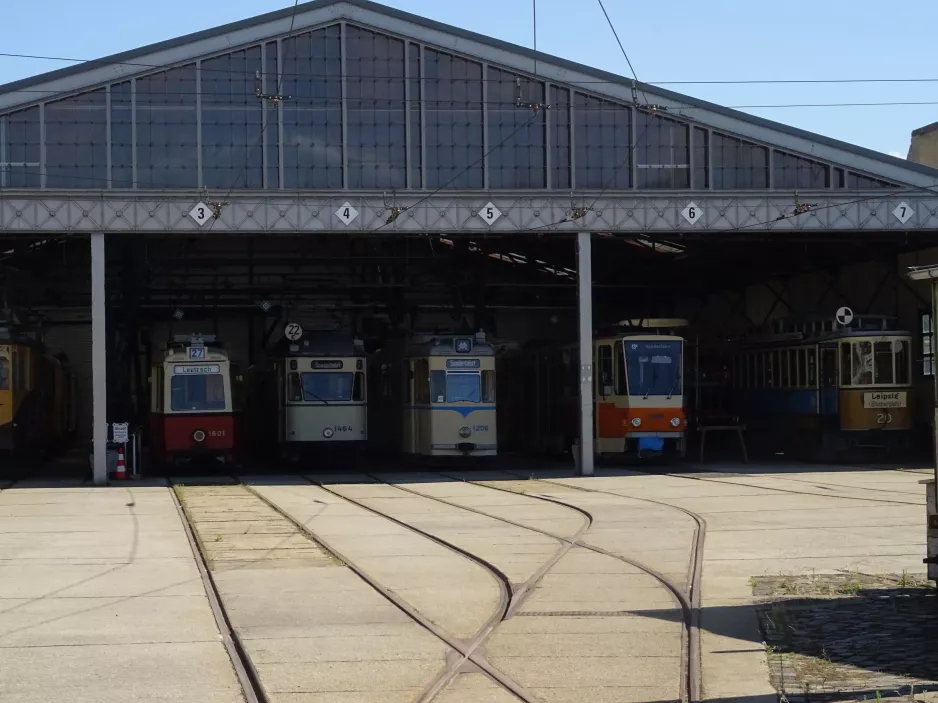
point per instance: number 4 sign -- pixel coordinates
(346, 213)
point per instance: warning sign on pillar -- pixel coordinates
(120, 432)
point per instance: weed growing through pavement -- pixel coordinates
(852, 586)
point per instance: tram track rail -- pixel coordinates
(245, 670)
(469, 652)
(688, 602)
(783, 490)
(823, 485)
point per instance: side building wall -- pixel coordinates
(924, 146)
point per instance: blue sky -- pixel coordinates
(678, 40)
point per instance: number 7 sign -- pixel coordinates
(903, 212)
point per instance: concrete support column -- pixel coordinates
(585, 313)
(99, 359)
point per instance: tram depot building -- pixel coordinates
(357, 169)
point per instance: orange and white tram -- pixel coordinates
(638, 391)
(194, 402)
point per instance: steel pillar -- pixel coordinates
(99, 359)
(585, 312)
(934, 330)
(931, 487)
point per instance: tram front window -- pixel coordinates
(201, 392)
(463, 388)
(653, 368)
(874, 363)
(327, 386)
(4, 374)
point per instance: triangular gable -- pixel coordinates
(550, 68)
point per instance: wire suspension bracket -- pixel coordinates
(276, 98)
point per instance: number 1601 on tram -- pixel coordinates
(193, 400)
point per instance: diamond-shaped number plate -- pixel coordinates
(692, 213)
(903, 212)
(346, 213)
(490, 213)
(201, 213)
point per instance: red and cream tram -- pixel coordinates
(193, 402)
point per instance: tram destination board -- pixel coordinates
(884, 399)
(463, 363)
(327, 364)
(195, 369)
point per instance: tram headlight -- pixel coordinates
(328, 432)
(464, 432)
(636, 422)
(198, 436)
(675, 422)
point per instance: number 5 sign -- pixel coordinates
(490, 213)
(692, 213)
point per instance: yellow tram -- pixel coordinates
(37, 394)
(817, 389)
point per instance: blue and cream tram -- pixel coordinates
(436, 396)
(818, 390)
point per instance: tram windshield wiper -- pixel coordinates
(315, 396)
(674, 385)
(651, 383)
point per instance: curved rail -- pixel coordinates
(467, 651)
(244, 668)
(519, 594)
(689, 606)
(691, 601)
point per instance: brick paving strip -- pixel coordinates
(849, 636)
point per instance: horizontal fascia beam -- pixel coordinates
(29, 213)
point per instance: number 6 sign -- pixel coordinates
(692, 213)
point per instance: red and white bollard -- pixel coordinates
(121, 473)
